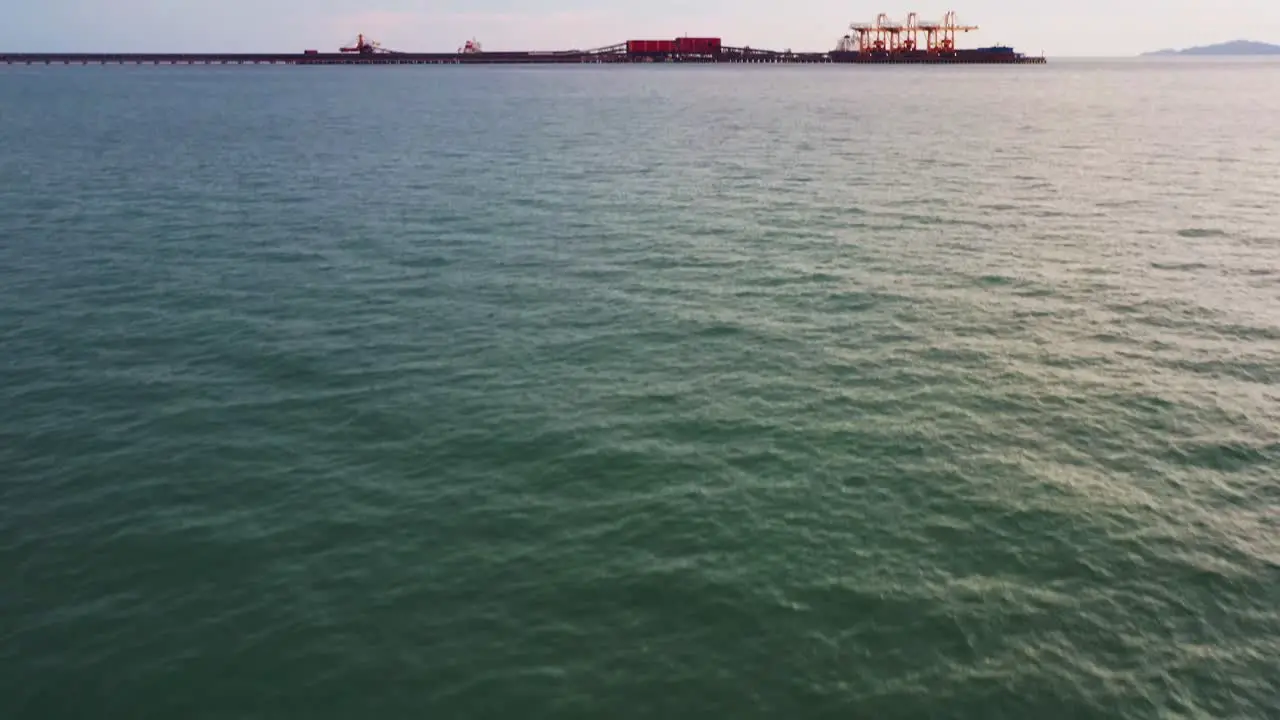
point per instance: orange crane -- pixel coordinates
(948, 30)
(886, 35)
(912, 40)
(889, 35)
(863, 30)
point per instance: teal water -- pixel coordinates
(640, 392)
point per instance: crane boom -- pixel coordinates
(887, 35)
(364, 46)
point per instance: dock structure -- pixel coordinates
(884, 42)
(726, 56)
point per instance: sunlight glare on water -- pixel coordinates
(778, 392)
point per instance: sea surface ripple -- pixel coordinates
(641, 392)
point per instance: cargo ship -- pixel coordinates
(918, 41)
(882, 42)
(996, 54)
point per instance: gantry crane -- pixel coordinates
(912, 30)
(888, 36)
(862, 43)
(942, 38)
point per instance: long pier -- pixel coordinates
(725, 56)
(885, 42)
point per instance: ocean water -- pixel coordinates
(590, 392)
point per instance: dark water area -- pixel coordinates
(794, 392)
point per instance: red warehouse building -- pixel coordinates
(698, 46)
(679, 46)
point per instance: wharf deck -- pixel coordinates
(733, 57)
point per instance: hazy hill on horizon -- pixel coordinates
(1235, 47)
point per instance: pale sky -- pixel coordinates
(1058, 28)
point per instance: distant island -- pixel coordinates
(1235, 47)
